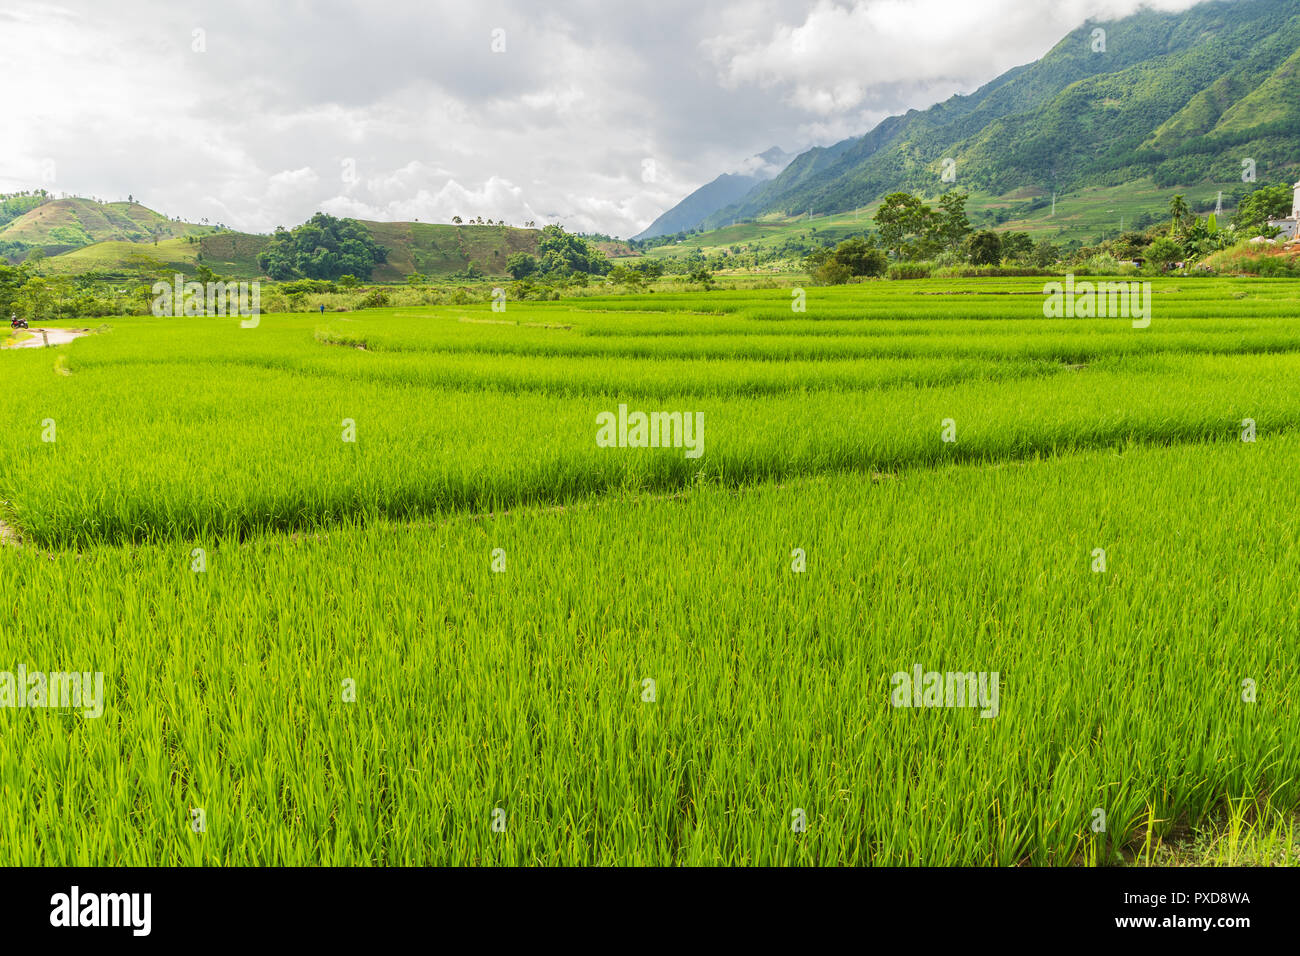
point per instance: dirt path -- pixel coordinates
(55, 337)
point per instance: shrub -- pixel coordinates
(832, 272)
(375, 299)
(910, 270)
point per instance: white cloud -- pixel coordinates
(839, 55)
(255, 131)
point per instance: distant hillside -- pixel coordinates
(64, 224)
(434, 250)
(719, 194)
(1173, 99)
(440, 250)
(122, 238)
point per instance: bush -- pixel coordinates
(910, 270)
(977, 272)
(1103, 264)
(375, 299)
(986, 248)
(832, 272)
(860, 258)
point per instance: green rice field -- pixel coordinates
(365, 588)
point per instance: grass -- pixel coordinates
(331, 564)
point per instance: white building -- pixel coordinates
(1290, 227)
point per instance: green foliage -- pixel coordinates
(701, 276)
(561, 253)
(376, 299)
(1265, 203)
(1017, 247)
(520, 265)
(12, 279)
(16, 205)
(622, 275)
(910, 270)
(1165, 251)
(861, 258)
(321, 248)
(832, 272)
(986, 248)
(951, 224)
(902, 218)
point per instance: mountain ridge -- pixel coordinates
(1166, 92)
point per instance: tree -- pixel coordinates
(561, 253)
(817, 257)
(1017, 246)
(703, 276)
(625, 276)
(832, 272)
(348, 281)
(650, 268)
(1045, 254)
(12, 279)
(1164, 251)
(1179, 210)
(951, 223)
(986, 248)
(861, 258)
(36, 299)
(321, 248)
(1269, 202)
(520, 265)
(457, 220)
(899, 217)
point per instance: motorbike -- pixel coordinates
(18, 324)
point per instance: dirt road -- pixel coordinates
(55, 337)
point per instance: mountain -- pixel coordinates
(58, 225)
(1175, 99)
(722, 192)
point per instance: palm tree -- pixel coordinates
(1179, 209)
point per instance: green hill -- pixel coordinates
(434, 250)
(64, 224)
(440, 250)
(229, 254)
(1174, 100)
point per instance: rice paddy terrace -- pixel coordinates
(374, 588)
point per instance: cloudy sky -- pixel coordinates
(597, 115)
